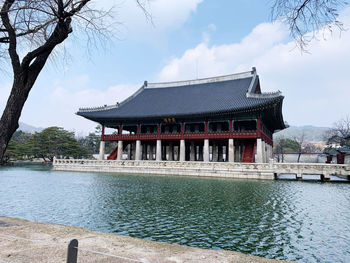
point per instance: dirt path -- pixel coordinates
(48, 235)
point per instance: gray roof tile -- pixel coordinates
(183, 100)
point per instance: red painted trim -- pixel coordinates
(183, 136)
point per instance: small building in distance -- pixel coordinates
(217, 119)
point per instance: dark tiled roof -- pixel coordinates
(188, 98)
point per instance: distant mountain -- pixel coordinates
(312, 133)
(28, 128)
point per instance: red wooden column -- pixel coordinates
(206, 128)
(158, 130)
(103, 133)
(230, 129)
(138, 132)
(259, 128)
(120, 129)
(182, 129)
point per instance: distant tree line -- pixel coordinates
(296, 145)
(337, 136)
(54, 142)
(51, 142)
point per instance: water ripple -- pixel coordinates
(302, 221)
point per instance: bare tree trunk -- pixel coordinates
(12, 113)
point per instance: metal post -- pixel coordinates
(72, 253)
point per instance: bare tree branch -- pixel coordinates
(11, 35)
(307, 17)
(339, 134)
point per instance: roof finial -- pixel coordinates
(145, 83)
(253, 70)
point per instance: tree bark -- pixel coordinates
(12, 113)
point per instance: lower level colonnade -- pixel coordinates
(228, 150)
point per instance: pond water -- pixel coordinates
(301, 221)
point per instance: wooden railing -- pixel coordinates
(179, 135)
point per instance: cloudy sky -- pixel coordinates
(190, 39)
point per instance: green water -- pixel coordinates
(302, 221)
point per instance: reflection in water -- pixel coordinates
(304, 221)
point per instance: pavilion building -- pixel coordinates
(217, 119)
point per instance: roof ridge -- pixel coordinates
(241, 75)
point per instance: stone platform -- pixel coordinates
(265, 171)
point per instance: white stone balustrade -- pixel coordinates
(204, 169)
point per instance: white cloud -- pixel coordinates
(212, 27)
(315, 85)
(223, 59)
(166, 15)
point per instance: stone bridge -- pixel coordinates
(269, 170)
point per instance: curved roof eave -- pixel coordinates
(265, 104)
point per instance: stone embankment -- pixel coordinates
(266, 171)
(49, 244)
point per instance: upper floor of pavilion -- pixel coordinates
(227, 98)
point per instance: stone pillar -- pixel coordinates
(182, 150)
(237, 157)
(215, 152)
(200, 153)
(167, 152)
(102, 151)
(163, 153)
(171, 152)
(269, 149)
(271, 152)
(206, 150)
(138, 150)
(144, 151)
(146, 146)
(129, 151)
(153, 157)
(325, 177)
(263, 151)
(220, 153)
(231, 151)
(192, 152)
(299, 176)
(120, 150)
(159, 150)
(259, 154)
(175, 152)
